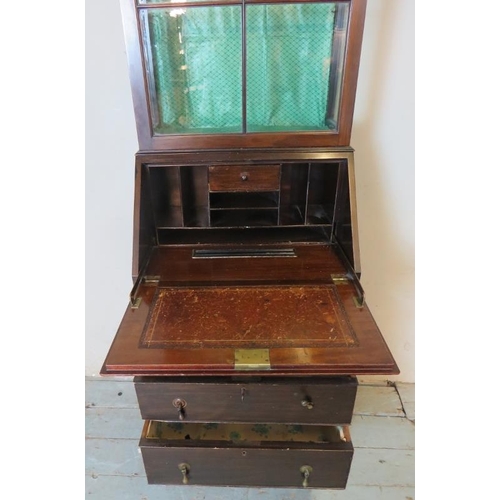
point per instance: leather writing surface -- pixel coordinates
(248, 317)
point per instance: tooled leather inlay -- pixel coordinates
(248, 317)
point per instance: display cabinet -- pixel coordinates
(247, 323)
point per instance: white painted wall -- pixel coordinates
(383, 137)
(111, 144)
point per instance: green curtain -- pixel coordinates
(196, 55)
(169, 79)
(288, 65)
(212, 39)
(197, 60)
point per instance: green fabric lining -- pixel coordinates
(288, 65)
(196, 55)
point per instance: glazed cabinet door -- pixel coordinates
(243, 74)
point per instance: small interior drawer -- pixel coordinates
(324, 400)
(244, 178)
(246, 454)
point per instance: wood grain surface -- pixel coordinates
(244, 178)
(264, 400)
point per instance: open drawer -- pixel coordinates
(246, 454)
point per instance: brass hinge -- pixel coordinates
(151, 279)
(339, 279)
(252, 359)
(342, 279)
(135, 302)
(359, 302)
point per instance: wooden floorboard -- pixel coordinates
(381, 401)
(383, 434)
(114, 457)
(136, 488)
(407, 394)
(113, 423)
(382, 467)
(110, 394)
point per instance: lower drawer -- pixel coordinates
(317, 400)
(247, 455)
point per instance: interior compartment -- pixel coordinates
(244, 217)
(256, 200)
(246, 434)
(165, 189)
(194, 195)
(321, 192)
(249, 235)
(310, 205)
(342, 227)
(246, 455)
(293, 193)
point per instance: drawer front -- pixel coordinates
(246, 455)
(247, 467)
(321, 401)
(244, 178)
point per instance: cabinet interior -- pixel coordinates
(311, 204)
(245, 433)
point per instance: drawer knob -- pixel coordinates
(184, 468)
(307, 403)
(180, 404)
(244, 176)
(306, 470)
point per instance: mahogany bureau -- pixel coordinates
(247, 323)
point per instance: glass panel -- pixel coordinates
(194, 69)
(295, 58)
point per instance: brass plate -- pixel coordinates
(252, 359)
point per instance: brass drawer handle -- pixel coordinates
(306, 470)
(307, 403)
(180, 404)
(244, 176)
(184, 468)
